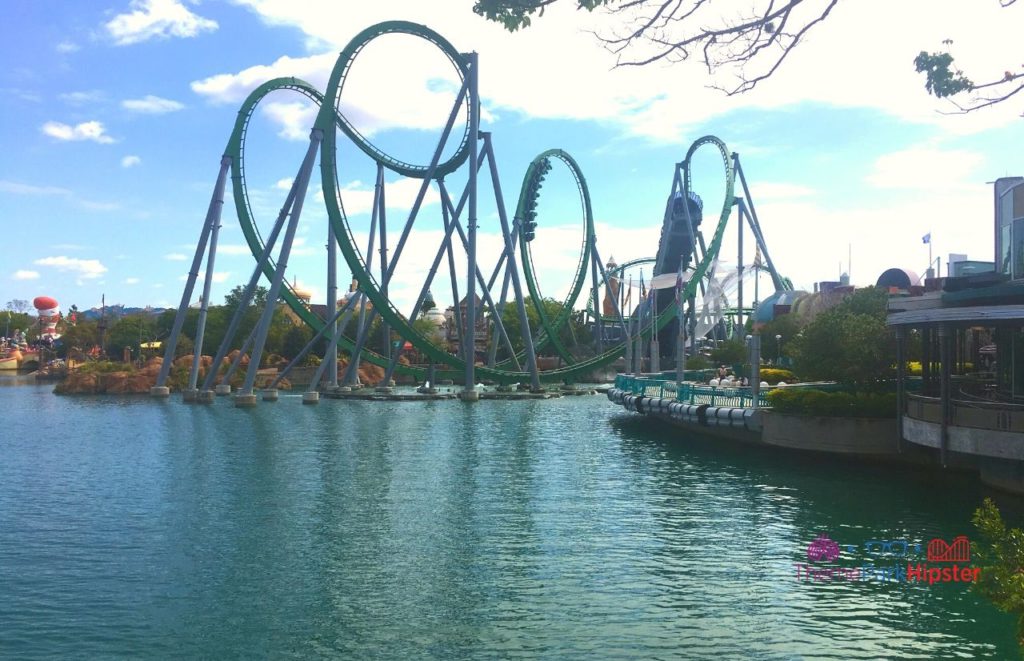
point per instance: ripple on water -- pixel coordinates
(503, 529)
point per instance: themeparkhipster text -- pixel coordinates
(950, 561)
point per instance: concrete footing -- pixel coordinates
(223, 389)
(205, 397)
(245, 399)
(189, 394)
(469, 395)
(344, 389)
(384, 390)
(270, 395)
(159, 391)
(311, 397)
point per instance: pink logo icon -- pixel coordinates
(822, 549)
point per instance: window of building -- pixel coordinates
(1018, 248)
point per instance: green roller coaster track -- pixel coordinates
(330, 119)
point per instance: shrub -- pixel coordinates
(103, 367)
(773, 375)
(804, 401)
(698, 362)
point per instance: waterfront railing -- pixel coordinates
(687, 393)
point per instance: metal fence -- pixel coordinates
(737, 397)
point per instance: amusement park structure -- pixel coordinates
(686, 298)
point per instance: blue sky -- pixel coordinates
(116, 113)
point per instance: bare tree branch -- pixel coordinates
(670, 30)
(751, 46)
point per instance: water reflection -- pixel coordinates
(560, 528)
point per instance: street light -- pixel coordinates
(778, 350)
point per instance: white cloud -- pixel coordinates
(67, 47)
(233, 249)
(295, 118)
(778, 190)
(175, 257)
(85, 131)
(233, 88)
(130, 161)
(925, 168)
(82, 98)
(525, 71)
(357, 197)
(22, 274)
(28, 189)
(153, 105)
(284, 184)
(156, 19)
(93, 205)
(85, 268)
(132, 281)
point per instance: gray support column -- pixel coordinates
(216, 205)
(193, 274)
(638, 350)
(509, 235)
(739, 271)
(331, 326)
(944, 385)
(692, 304)
(318, 374)
(316, 135)
(331, 355)
(628, 355)
(250, 288)
(755, 370)
(681, 345)
(351, 376)
(901, 377)
(598, 325)
(486, 295)
(449, 227)
(755, 225)
(443, 248)
(383, 243)
(429, 175)
(474, 142)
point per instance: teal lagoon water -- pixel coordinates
(558, 529)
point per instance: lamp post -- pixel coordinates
(754, 342)
(778, 350)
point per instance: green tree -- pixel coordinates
(13, 321)
(78, 339)
(128, 332)
(515, 14)
(729, 353)
(848, 343)
(1000, 554)
(573, 333)
(787, 326)
(295, 340)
